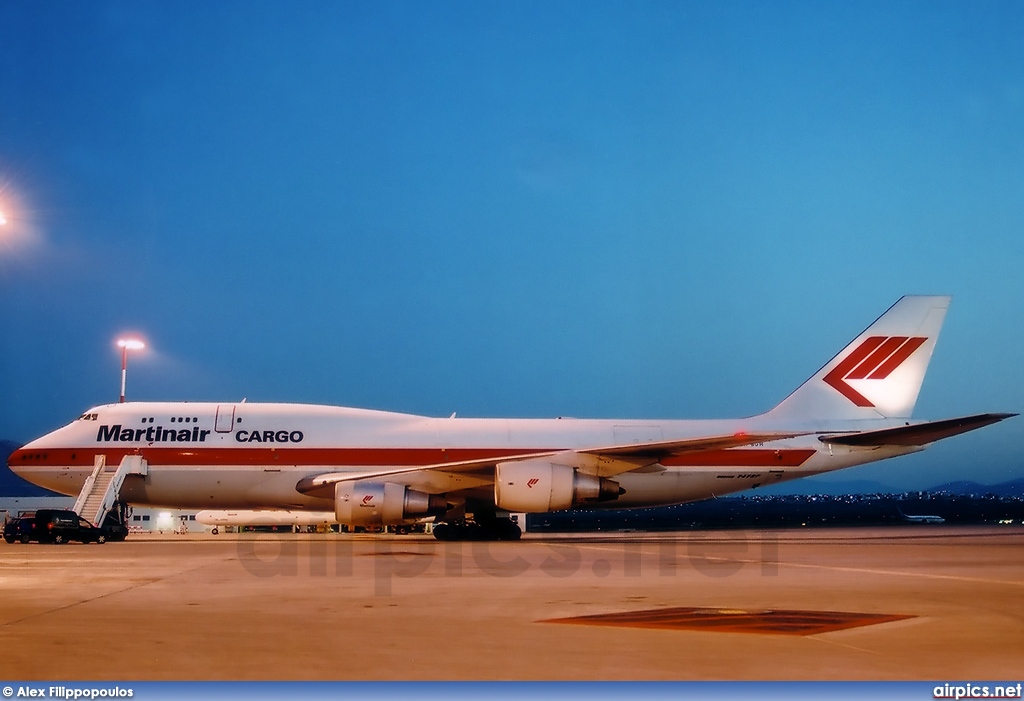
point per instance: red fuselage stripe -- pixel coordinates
(367, 457)
(740, 458)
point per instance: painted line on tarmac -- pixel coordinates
(838, 568)
(894, 573)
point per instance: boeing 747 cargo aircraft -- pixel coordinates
(373, 468)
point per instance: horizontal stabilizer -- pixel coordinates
(917, 434)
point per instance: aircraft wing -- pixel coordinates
(626, 456)
(916, 434)
(323, 485)
(663, 449)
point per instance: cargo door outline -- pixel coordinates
(225, 419)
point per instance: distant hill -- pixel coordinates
(961, 487)
(1013, 488)
(811, 486)
(10, 484)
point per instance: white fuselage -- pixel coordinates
(247, 456)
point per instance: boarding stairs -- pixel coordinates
(102, 487)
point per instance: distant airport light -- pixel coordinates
(127, 344)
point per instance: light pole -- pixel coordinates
(127, 344)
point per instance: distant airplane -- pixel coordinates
(920, 519)
(374, 468)
(263, 517)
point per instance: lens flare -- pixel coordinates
(20, 237)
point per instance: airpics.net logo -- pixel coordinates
(978, 691)
(874, 359)
(384, 561)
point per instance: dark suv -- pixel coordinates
(54, 526)
(14, 527)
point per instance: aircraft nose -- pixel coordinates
(18, 460)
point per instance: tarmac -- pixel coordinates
(907, 603)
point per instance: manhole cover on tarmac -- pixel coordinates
(734, 620)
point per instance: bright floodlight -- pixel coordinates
(3, 219)
(127, 344)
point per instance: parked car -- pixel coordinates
(115, 532)
(54, 526)
(14, 527)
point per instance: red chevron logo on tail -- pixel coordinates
(874, 359)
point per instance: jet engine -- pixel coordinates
(383, 503)
(536, 486)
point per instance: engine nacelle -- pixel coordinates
(536, 486)
(383, 503)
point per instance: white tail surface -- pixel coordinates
(879, 374)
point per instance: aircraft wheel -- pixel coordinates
(511, 531)
(503, 529)
(496, 530)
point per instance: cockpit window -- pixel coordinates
(88, 417)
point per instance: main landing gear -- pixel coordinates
(493, 529)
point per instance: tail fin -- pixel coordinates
(879, 374)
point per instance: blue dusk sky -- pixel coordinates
(594, 209)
